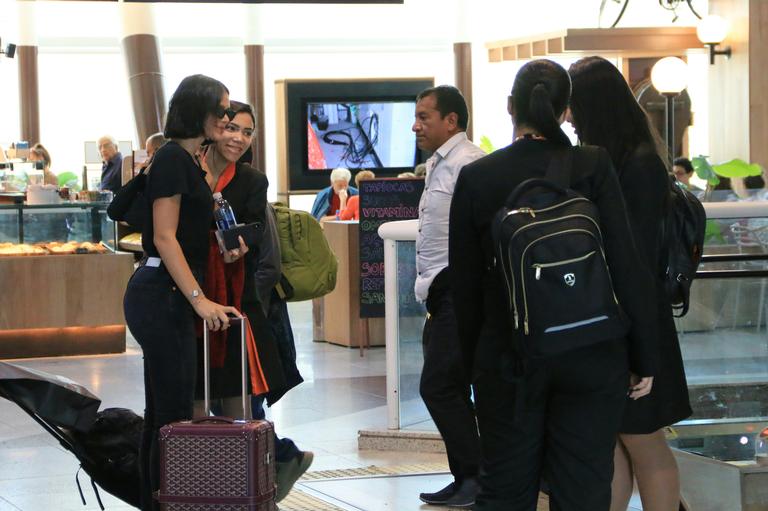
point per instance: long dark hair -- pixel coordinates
(539, 97)
(605, 112)
(196, 97)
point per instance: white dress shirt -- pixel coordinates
(432, 240)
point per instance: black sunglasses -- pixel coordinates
(221, 112)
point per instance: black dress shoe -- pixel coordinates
(465, 495)
(439, 497)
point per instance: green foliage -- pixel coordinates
(737, 168)
(486, 145)
(704, 170)
(69, 179)
(729, 169)
(713, 233)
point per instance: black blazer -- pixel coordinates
(247, 194)
(479, 300)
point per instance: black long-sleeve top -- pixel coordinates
(643, 179)
(479, 300)
(247, 194)
(645, 186)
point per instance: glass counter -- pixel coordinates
(723, 338)
(68, 221)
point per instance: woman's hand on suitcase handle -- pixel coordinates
(639, 387)
(214, 314)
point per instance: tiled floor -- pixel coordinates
(342, 394)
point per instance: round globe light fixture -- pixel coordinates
(670, 75)
(712, 29)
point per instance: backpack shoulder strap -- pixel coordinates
(559, 169)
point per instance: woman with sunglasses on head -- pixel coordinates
(625, 132)
(249, 284)
(164, 298)
(554, 416)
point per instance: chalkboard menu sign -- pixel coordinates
(381, 201)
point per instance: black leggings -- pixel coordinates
(162, 321)
(562, 429)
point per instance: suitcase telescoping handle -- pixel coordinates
(207, 364)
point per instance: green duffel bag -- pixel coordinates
(308, 265)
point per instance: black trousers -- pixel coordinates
(559, 422)
(445, 386)
(162, 321)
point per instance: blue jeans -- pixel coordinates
(162, 321)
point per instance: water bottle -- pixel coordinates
(761, 448)
(223, 214)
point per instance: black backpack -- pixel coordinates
(129, 204)
(109, 452)
(683, 234)
(549, 248)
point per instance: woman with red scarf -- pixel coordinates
(245, 188)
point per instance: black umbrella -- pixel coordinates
(55, 399)
(105, 443)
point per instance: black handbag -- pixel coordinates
(129, 204)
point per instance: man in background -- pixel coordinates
(153, 143)
(683, 170)
(111, 170)
(441, 122)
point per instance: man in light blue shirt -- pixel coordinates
(441, 122)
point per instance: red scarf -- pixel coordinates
(224, 284)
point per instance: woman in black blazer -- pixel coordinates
(624, 131)
(245, 189)
(559, 416)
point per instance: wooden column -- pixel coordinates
(758, 82)
(142, 56)
(254, 76)
(29, 95)
(462, 58)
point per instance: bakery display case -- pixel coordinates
(62, 280)
(64, 222)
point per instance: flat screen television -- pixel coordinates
(357, 124)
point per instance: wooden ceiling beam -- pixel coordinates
(615, 41)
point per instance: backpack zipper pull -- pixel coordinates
(538, 272)
(527, 210)
(517, 320)
(525, 326)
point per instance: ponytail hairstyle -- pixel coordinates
(620, 128)
(539, 97)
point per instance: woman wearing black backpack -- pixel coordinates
(624, 131)
(557, 416)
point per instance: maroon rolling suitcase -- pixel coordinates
(218, 463)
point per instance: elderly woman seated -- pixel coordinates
(352, 211)
(334, 198)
